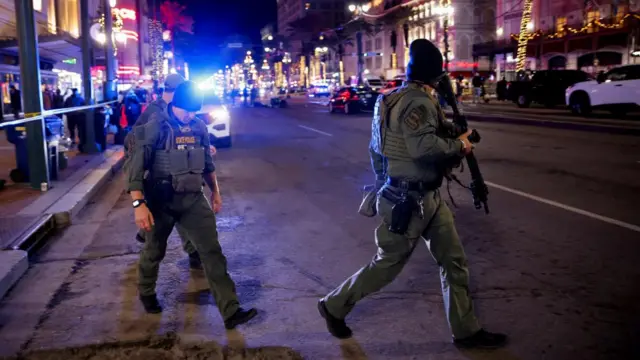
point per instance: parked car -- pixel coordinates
(617, 91)
(546, 87)
(391, 85)
(215, 114)
(353, 99)
(373, 82)
(319, 90)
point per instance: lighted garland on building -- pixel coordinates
(524, 36)
(116, 26)
(562, 32)
(156, 43)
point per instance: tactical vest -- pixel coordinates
(388, 139)
(180, 158)
(386, 133)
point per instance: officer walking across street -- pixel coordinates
(159, 106)
(412, 146)
(174, 147)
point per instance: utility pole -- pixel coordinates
(360, 57)
(140, 32)
(89, 146)
(109, 88)
(31, 94)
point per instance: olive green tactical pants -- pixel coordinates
(187, 246)
(438, 230)
(193, 216)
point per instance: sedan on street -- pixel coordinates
(353, 100)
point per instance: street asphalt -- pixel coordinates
(555, 264)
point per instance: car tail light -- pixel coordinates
(355, 98)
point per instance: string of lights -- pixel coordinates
(566, 30)
(156, 43)
(524, 35)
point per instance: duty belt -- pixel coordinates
(421, 186)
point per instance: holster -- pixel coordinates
(402, 210)
(161, 191)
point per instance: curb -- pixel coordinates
(567, 125)
(57, 212)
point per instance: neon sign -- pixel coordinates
(125, 13)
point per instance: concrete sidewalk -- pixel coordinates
(23, 228)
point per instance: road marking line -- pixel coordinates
(608, 220)
(316, 130)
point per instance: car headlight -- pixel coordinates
(220, 115)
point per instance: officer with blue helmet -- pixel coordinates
(174, 148)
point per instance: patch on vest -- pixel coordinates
(185, 140)
(415, 117)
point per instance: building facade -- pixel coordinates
(466, 22)
(573, 34)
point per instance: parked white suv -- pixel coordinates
(617, 90)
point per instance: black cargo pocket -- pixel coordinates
(196, 160)
(178, 162)
(185, 183)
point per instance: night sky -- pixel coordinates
(215, 21)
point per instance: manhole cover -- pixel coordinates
(229, 223)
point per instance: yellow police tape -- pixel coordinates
(33, 114)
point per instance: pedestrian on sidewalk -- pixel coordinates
(411, 146)
(174, 145)
(75, 119)
(15, 98)
(158, 107)
(477, 87)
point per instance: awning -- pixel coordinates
(55, 47)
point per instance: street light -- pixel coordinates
(500, 31)
(270, 38)
(530, 26)
(357, 10)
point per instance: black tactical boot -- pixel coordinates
(194, 261)
(482, 339)
(240, 317)
(151, 304)
(140, 238)
(337, 327)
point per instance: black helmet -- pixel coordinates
(188, 97)
(425, 61)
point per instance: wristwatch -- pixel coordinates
(137, 203)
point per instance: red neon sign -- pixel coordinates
(125, 13)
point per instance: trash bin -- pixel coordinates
(54, 132)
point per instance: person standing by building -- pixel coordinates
(75, 119)
(174, 146)
(16, 101)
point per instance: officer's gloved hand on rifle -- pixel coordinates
(468, 145)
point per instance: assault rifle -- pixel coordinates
(478, 188)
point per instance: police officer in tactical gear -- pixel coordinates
(159, 106)
(174, 147)
(412, 145)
